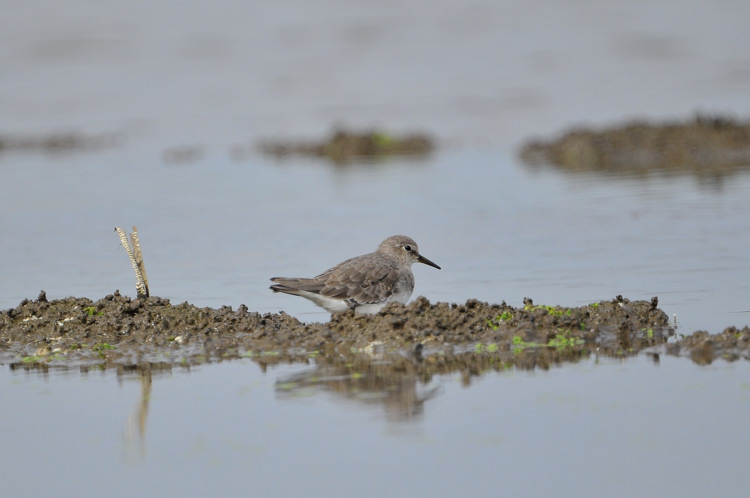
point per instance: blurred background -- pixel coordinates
(148, 114)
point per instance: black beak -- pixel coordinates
(422, 259)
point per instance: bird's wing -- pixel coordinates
(290, 285)
(362, 280)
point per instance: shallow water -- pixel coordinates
(214, 233)
(212, 79)
(599, 427)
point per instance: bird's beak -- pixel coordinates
(422, 259)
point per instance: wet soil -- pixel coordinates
(58, 142)
(347, 146)
(422, 338)
(704, 146)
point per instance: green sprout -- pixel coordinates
(495, 324)
(91, 311)
(489, 348)
(551, 310)
(101, 347)
(382, 139)
(564, 340)
(519, 344)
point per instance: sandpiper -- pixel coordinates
(365, 283)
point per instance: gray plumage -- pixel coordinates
(365, 283)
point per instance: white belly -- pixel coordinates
(371, 309)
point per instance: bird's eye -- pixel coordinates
(407, 247)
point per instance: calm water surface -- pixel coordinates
(599, 427)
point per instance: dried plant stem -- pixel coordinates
(136, 259)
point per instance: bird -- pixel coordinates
(364, 283)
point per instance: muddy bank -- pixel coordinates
(124, 333)
(58, 142)
(703, 348)
(704, 146)
(347, 146)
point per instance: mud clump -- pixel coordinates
(705, 146)
(124, 333)
(703, 348)
(346, 146)
(57, 142)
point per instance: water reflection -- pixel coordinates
(714, 180)
(217, 428)
(134, 434)
(393, 383)
(403, 383)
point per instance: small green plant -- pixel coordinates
(251, 354)
(551, 310)
(594, 305)
(495, 324)
(489, 348)
(91, 311)
(519, 344)
(564, 340)
(382, 139)
(100, 347)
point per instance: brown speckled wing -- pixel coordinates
(365, 279)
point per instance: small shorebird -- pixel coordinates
(365, 283)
